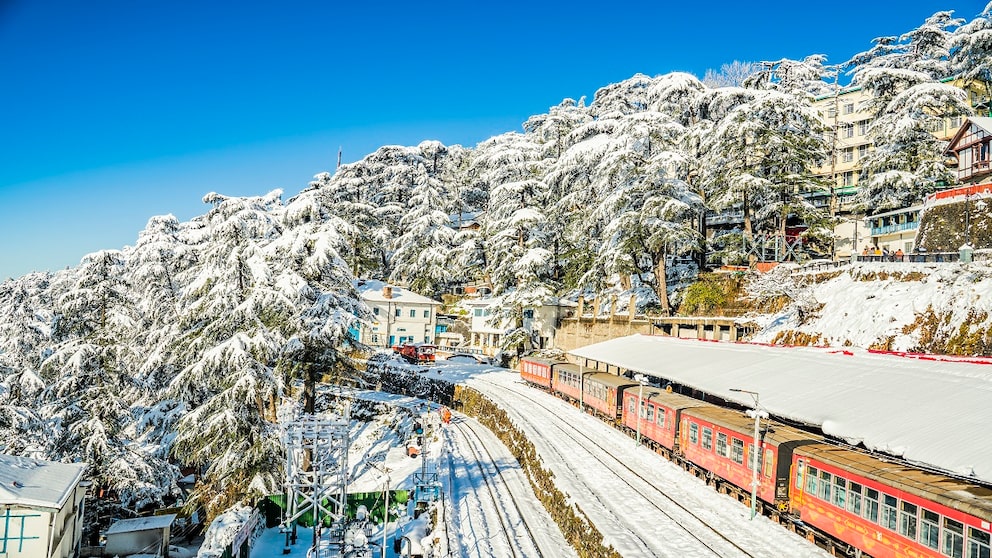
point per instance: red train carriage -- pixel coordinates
(721, 442)
(660, 413)
(566, 380)
(889, 510)
(603, 393)
(537, 371)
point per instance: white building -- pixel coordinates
(399, 315)
(540, 321)
(141, 535)
(41, 503)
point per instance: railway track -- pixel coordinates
(698, 535)
(505, 527)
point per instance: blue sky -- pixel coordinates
(115, 111)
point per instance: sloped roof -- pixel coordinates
(35, 483)
(983, 122)
(153, 522)
(928, 409)
(371, 289)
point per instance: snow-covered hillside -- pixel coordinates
(915, 307)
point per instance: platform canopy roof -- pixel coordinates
(930, 410)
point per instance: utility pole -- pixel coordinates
(756, 453)
(640, 405)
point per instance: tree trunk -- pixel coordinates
(748, 230)
(661, 280)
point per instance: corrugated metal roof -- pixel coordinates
(929, 410)
(153, 522)
(35, 483)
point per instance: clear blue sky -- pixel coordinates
(115, 111)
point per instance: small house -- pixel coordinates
(141, 535)
(41, 503)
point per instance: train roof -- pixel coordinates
(926, 409)
(670, 400)
(743, 424)
(611, 380)
(951, 492)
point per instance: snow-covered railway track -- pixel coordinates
(486, 487)
(708, 537)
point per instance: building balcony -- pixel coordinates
(898, 227)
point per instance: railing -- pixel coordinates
(928, 257)
(887, 229)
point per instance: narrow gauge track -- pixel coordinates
(677, 514)
(513, 527)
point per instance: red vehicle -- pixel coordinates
(721, 442)
(566, 380)
(660, 414)
(416, 353)
(887, 509)
(537, 371)
(603, 393)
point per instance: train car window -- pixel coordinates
(871, 505)
(707, 439)
(907, 520)
(650, 416)
(800, 466)
(721, 444)
(693, 433)
(750, 457)
(854, 498)
(737, 450)
(661, 416)
(826, 483)
(631, 404)
(890, 512)
(953, 538)
(640, 412)
(978, 544)
(769, 462)
(930, 529)
(812, 477)
(840, 492)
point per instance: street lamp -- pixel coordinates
(757, 449)
(642, 380)
(385, 513)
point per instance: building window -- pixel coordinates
(862, 151)
(953, 538)
(707, 439)
(848, 108)
(478, 313)
(375, 310)
(847, 130)
(397, 312)
(863, 127)
(427, 314)
(956, 122)
(529, 314)
(847, 155)
(847, 179)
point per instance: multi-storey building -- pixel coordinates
(399, 315)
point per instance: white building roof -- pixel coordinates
(371, 290)
(928, 409)
(37, 484)
(150, 523)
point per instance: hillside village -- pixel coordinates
(782, 208)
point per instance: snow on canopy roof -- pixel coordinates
(153, 522)
(371, 289)
(931, 410)
(35, 483)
